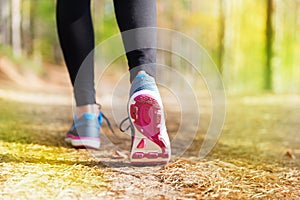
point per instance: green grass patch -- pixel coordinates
(35, 163)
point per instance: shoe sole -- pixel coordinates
(82, 142)
(150, 143)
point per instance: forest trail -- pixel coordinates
(257, 156)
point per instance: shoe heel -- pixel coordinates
(145, 152)
(148, 146)
(86, 142)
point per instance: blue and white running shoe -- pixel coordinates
(85, 131)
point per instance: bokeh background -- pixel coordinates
(255, 43)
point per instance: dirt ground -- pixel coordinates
(257, 155)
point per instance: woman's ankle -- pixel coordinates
(90, 108)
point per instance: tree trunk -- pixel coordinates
(16, 27)
(4, 22)
(26, 26)
(221, 34)
(32, 27)
(269, 46)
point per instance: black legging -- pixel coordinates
(76, 36)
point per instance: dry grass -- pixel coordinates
(35, 163)
(217, 179)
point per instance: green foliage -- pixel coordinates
(107, 27)
(6, 51)
(248, 48)
(45, 30)
(233, 32)
(287, 47)
(23, 61)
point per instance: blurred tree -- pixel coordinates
(5, 22)
(16, 27)
(269, 45)
(221, 34)
(28, 12)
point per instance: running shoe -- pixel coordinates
(150, 141)
(85, 131)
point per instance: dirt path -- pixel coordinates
(257, 156)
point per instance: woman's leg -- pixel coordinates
(76, 36)
(150, 143)
(134, 14)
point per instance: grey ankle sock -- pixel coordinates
(143, 81)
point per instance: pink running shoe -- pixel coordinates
(150, 140)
